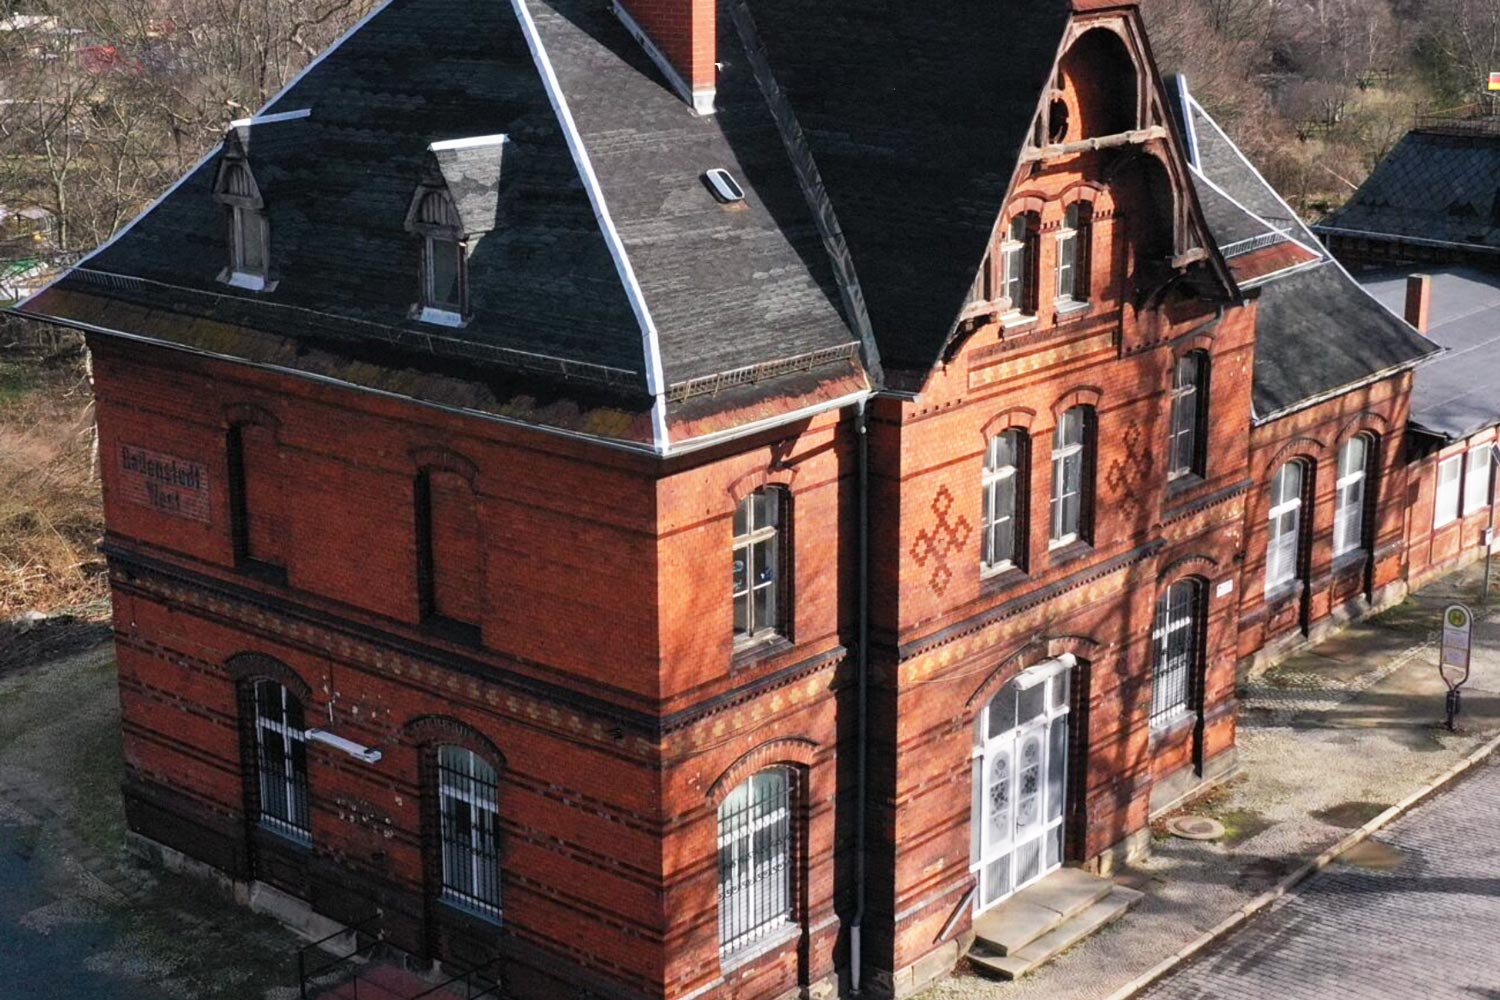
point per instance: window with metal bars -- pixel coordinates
(281, 761)
(1004, 486)
(1189, 407)
(468, 805)
(755, 859)
(759, 522)
(1179, 624)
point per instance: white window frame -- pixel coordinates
(1066, 454)
(1449, 496)
(1349, 497)
(996, 479)
(241, 274)
(1284, 548)
(756, 891)
(1178, 614)
(1014, 267)
(1477, 480)
(293, 794)
(1188, 400)
(747, 545)
(1071, 249)
(480, 793)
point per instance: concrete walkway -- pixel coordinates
(1328, 739)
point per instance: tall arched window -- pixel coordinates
(1350, 490)
(760, 525)
(281, 760)
(1284, 547)
(1072, 473)
(1020, 262)
(755, 859)
(257, 514)
(469, 809)
(1189, 410)
(1074, 251)
(1177, 639)
(450, 556)
(1004, 501)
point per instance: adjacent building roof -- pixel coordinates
(1317, 331)
(1440, 186)
(1458, 393)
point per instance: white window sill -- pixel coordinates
(1015, 318)
(1069, 306)
(1281, 591)
(770, 939)
(1062, 543)
(249, 282)
(1170, 721)
(987, 571)
(440, 317)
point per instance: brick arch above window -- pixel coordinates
(446, 461)
(1037, 649)
(1365, 422)
(797, 751)
(1083, 395)
(236, 414)
(1011, 419)
(1305, 448)
(444, 730)
(1179, 569)
(753, 482)
(1025, 203)
(1091, 193)
(247, 668)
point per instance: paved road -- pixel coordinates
(1418, 918)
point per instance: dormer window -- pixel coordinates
(444, 261)
(457, 203)
(249, 235)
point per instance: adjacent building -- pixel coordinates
(683, 498)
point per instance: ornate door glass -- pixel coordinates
(1020, 782)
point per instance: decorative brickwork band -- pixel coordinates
(246, 668)
(435, 730)
(1174, 567)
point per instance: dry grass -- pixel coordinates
(51, 515)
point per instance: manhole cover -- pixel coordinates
(1196, 828)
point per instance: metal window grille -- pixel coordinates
(281, 756)
(1187, 400)
(1178, 626)
(1069, 461)
(1285, 541)
(1349, 506)
(755, 859)
(470, 812)
(757, 570)
(1002, 514)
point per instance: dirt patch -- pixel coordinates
(1351, 815)
(28, 645)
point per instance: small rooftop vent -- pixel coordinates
(725, 188)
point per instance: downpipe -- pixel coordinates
(862, 667)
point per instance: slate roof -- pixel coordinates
(1434, 187)
(1458, 393)
(1317, 331)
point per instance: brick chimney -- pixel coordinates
(681, 37)
(1419, 301)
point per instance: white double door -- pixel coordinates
(1020, 783)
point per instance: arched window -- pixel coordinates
(257, 515)
(760, 522)
(469, 810)
(1072, 473)
(1284, 547)
(1177, 639)
(1350, 490)
(1019, 263)
(281, 760)
(450, 556)
(1005, 476)
(1189, 412)
(1074, 250)
(755, 859)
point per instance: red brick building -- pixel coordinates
(436, 403)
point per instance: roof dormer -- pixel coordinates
(457, 200)
(247, 223)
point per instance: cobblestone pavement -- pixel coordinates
(1414, 914)
(1327, 740)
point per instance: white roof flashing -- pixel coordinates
(283, 116)
(472, 142)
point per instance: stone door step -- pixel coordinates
(1056, 940)
(1037, 909)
